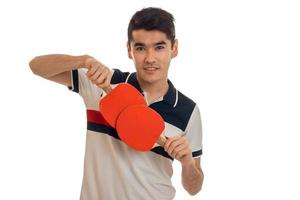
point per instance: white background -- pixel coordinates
(238, 60)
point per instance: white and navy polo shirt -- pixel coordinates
(114, 171)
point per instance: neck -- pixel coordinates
(154, 90)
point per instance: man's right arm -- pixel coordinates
(57, 67)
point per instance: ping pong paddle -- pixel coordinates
(140, 127)
(137, 125)
(117, 99)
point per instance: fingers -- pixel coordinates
(94, 73)
(178, 151)
(169, 141)
(107, 80)
(95, 68)
(101, 81)
(90, 62)
(178, 148)
(98, 73)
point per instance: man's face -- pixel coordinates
(151, 53)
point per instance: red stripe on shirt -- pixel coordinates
(96, 117)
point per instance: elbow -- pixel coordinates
(34, 66)
(193, 192)
(194, 187)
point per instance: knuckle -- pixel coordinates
(173, 145)
(92, 78)
(98, 81)
(180, 155)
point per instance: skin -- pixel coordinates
(151, 52)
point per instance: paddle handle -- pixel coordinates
(107, 89)
(161, 140)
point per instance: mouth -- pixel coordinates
(150, 69)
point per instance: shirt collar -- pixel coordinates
(171, 97)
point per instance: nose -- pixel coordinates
(150, 57)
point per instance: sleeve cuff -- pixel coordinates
(75, 81)
(197, 154)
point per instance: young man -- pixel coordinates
(112, 170)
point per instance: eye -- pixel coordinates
(139, 48)
(159, 47)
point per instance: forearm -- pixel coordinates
(53, 64)
(192, 178)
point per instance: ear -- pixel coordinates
(175, 49)
(129, 50)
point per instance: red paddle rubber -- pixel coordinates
(139, 127)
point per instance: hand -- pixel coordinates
(178, 148)
(98, 73)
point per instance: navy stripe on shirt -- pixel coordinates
(112, 132)
(75, 81)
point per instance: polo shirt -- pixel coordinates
(113, 170)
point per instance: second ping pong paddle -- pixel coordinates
(140, 127)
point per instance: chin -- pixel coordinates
(149, 80)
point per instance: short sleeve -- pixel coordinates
(90, 93)
(193, 132)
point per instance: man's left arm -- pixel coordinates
(192, 175)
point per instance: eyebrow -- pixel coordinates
(155, 44)
(139, 44)
(160, 43)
